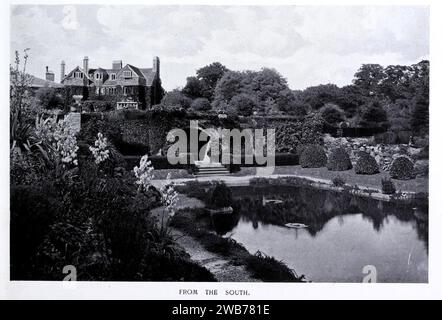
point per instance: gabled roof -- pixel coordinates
(144, 73)
(149, 74)
(136, 70)
(81, 70)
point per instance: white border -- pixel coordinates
(269, 291)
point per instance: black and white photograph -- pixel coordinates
(218, 143)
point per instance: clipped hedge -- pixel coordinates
(366, 164)
(313, 156)
(339, 160)
(402, 169)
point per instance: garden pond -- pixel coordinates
(344, 233)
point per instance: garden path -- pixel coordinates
(219, 266)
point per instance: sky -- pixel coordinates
(308, 45)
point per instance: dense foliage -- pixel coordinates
(366, 164)
(87, 211)
(221, 196)
(313, 156)
(402, 168)
(388, 186)
(338, 160)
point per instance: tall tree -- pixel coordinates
(209, 76)
(193, 88)
(369, 77)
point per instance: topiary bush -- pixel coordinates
(338, 181)
(221, 196)
(402, 169)
(366, 164)
(388, 186)
(313, 156)
(339, 160)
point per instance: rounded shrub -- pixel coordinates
(388, 186)
(339, 160)
(402, 169)
(313, 156)
(366, 164)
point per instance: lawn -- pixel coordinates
(371, 181)
(417, 185)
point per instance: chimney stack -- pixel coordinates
(156, 66)
(117, 64)
(49, 75)
(86, 65)
(62, 70)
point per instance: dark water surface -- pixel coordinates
(344, 234)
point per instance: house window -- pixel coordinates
(98, 76)
(113, 76)
(78, 74)
(127, 74)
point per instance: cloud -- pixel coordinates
(308, 45)
(70, 21)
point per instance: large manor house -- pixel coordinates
(119, 84)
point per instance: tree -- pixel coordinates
(289, 102)
(201, 104)
(399, 114)
(420, 116)
(242, 104)
(350, 99)
(49, 98)
(193, 88)
(317, 96)
(396, 83)
(209, 76)
(175, 98)
(332, 114)
(369, 77)
(227, 87)
(373, 116)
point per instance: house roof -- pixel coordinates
(40, 83)
(145, 73)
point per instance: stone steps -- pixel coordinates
(211, 170)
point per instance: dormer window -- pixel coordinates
(127, 74)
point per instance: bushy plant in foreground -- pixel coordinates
(339, 160)
(56, 141)
(402, 169)
(366, 164)
(313, 156)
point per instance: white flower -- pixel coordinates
(144, 173)
(101, 152)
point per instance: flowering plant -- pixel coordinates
(144, 173)
(100, 151)
(170, 196)
(58, 140)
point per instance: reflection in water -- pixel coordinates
(344, 232)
